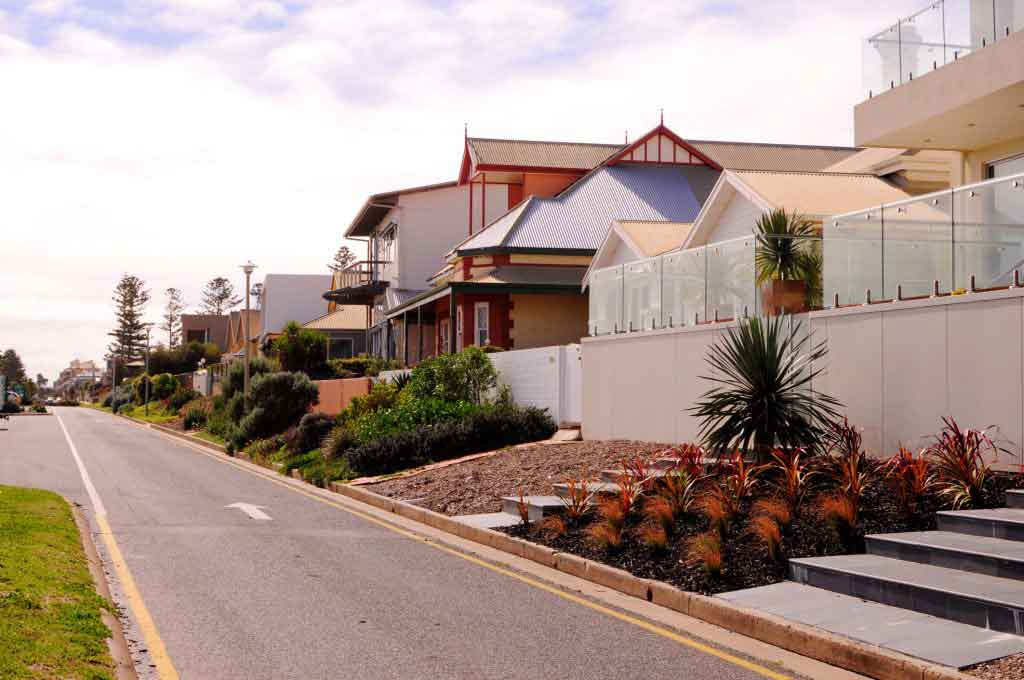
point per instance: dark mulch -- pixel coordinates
(477, 486)
(746, 560)
(1007, 668)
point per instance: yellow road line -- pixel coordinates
(640, 623)
(154, 643)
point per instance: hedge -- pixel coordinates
(484, 430)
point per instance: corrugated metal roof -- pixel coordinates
(525, 153)
(758, 156)
(344, 318)
(815, 193)
(396, 297)
(579, 218)
(535, 276)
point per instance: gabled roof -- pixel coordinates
(577, 219)
(767, 156)
(377, 206)
(668, 147)
(344, 318)
(811, 194)
(520, 154)
(641, 238)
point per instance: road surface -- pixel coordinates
(247, 578)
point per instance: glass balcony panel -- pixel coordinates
(642, 295)
(988, 234)
(881, 61)
(922, 42)
(852, 254)
(1009, 17)
(730, 279)
(606, 301)
(682, 287)
(918, 246)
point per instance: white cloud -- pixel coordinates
(178, 163)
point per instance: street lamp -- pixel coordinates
(148, 378)
(248, 268)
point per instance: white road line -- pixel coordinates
(98, 508)
(254, 511)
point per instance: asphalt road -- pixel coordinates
(315, 592)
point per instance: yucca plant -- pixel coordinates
(783, 246)
(762, 398)
(961, 470)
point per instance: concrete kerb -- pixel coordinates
(846, 653)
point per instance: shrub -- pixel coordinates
(767, 531)
(265, 448)
(234, 379)
(234, 408)
(910, 477)
(679, 488)
(762, 398)
(107, 400)
(654, 537)
(164, 385)
(301, 349)
(715, 506)
(139, 385)
(38, 408)
(279, 400)
(960, 466)
(792, 476)
(706, 550)
(774, 508)
(846, 464)
(607, 532)
(180, 397)
(466, 376)
(195, 418)
(406, 416)
(381, 396)
(339, 440)
(688, 457)
(310, 434)
(10, 407)
(483, 430)
(183, 358)
(576, 501)
(840, 512)
(553, 526)
(659, 511)
(349, 368)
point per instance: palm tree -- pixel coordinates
(762, 396)
(783, 241)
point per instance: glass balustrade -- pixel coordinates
(947, 240)
(936, 35)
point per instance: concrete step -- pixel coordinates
(538, 507)
(966, 552)
(1007, 523)
(975, 599)
(613, 476)
(1015, 498)
(490, 520)
(596, 488)
(924, 637)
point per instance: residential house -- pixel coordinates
(289, 297)
(77, 375)
(517, 282)
(345, 329)
(212, 328)
(241, 323)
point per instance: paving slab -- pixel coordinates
(967, 552)
(919, 635)
(489, 520)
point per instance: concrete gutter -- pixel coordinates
(807, 641)
(117, 644)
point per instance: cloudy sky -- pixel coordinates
(174, 139)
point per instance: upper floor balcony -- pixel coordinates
(359, 283)
(947, 77)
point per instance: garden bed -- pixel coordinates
(477, 486)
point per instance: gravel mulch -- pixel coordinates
(1007, 668)
(477, 486)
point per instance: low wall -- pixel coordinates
(545, 377)
(336, 395)
(897, 368)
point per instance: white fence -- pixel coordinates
(897, 367)
(546, 377)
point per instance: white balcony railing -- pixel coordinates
(939, 34)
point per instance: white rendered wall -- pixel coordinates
(545, 377)
(897, 368)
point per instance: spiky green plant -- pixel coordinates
(784, 249)
(762, 395)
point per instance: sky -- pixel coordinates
(175, 139)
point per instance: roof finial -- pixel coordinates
(662, 116)
(627, 136)
(465, 131)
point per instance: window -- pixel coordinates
(458, 329)
(386, 243)
(1006, 167)
(482, 314)
(196, 336)
(340, 348)
(442, 337)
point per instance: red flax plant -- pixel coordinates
(631, 485)
(793, 476)
(640, 471)
(958, 457)
(522, 507)
(577, 500)
(910, 477)
(738, 480)
(846, 464)
(679, 487)
(688, 457)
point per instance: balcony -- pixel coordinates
(358, 283)
(928, 78)
(947, 243)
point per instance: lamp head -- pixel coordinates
(248, 267)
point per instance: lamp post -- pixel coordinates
(248, 268)
(148, 377)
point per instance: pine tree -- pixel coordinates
(171, 324)
(130, 299)
(342, 259)
(219, 296)
(12, 367)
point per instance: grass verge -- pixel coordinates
(157, 413)
(210, 437)
(50, 613)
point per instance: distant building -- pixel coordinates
(290, 297)
(205, 328)
(77, 375)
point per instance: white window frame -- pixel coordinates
(459, 326)
(444, 327)
(486, 327)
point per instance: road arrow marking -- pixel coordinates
(254, 511)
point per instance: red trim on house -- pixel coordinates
(529, 169)
(470, 208)
(467, 268)
(625, 154)
(483, 200)
(515, 195)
